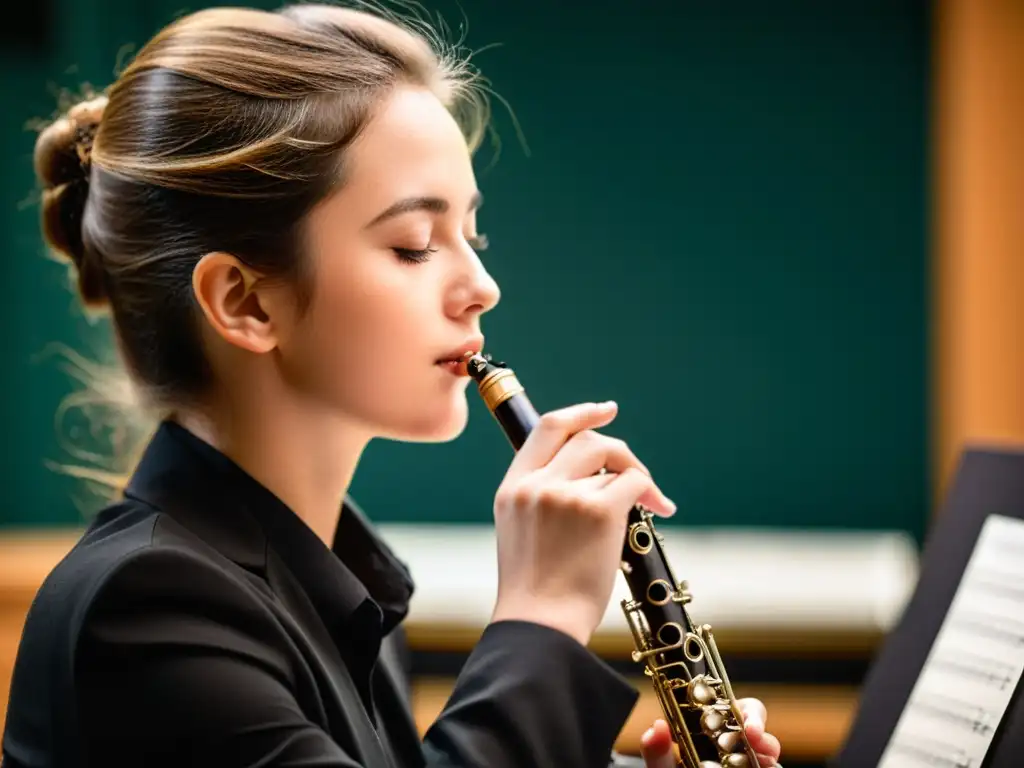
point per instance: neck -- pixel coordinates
(305, 459)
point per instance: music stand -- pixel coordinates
(989, 483)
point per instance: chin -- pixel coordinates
(443, 426)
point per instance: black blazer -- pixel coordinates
(199, 622)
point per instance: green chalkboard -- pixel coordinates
(718, 219)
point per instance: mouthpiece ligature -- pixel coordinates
(495, 381)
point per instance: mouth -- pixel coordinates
(455, 361)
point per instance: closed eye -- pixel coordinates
(414, 255)
(420, 255)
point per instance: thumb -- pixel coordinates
(656, 746)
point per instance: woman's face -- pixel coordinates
(397, 284)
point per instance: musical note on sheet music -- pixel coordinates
(954, 712)
(982, 670)
(975, 664)
(937, 755)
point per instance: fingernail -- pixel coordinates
(668, 506)
(648, 735)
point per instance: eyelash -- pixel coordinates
(414, 256)
(418, 256)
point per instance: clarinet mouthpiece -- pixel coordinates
(478, 366)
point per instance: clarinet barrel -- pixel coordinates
(679, 657)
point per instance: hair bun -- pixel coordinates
(62, 163)
(64, 148)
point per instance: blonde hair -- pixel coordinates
(222, 133)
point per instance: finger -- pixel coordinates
(755, 716)
(656, 746)
(767, 745)
(767, 761)
(552, 431)
(633, 484)
(588, 452)
(656, 501)
(626, 489)
(652, 498)
(593, 483)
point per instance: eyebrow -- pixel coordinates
(429, 204)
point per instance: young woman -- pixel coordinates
(279, 211)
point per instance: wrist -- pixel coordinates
(564, 616)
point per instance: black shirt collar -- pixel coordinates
(206, 491)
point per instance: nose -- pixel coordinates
(476, 291)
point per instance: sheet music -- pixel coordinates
(975, 663)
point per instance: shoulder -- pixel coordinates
(131, 550)
(131, 559)
(147, 646)
(134, 577)
(39, 710)
(119, 534)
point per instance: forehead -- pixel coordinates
(412, 146)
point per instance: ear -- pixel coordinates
(227, 291)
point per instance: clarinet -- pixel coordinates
(680, 658)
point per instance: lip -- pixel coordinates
(456, 358)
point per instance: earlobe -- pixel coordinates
(226, 290)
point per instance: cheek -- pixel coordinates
(365, 317)
(366, 337)
(346, 326)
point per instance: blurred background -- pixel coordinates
(785, 237)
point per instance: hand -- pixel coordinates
(656, 744)
(561, 526)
